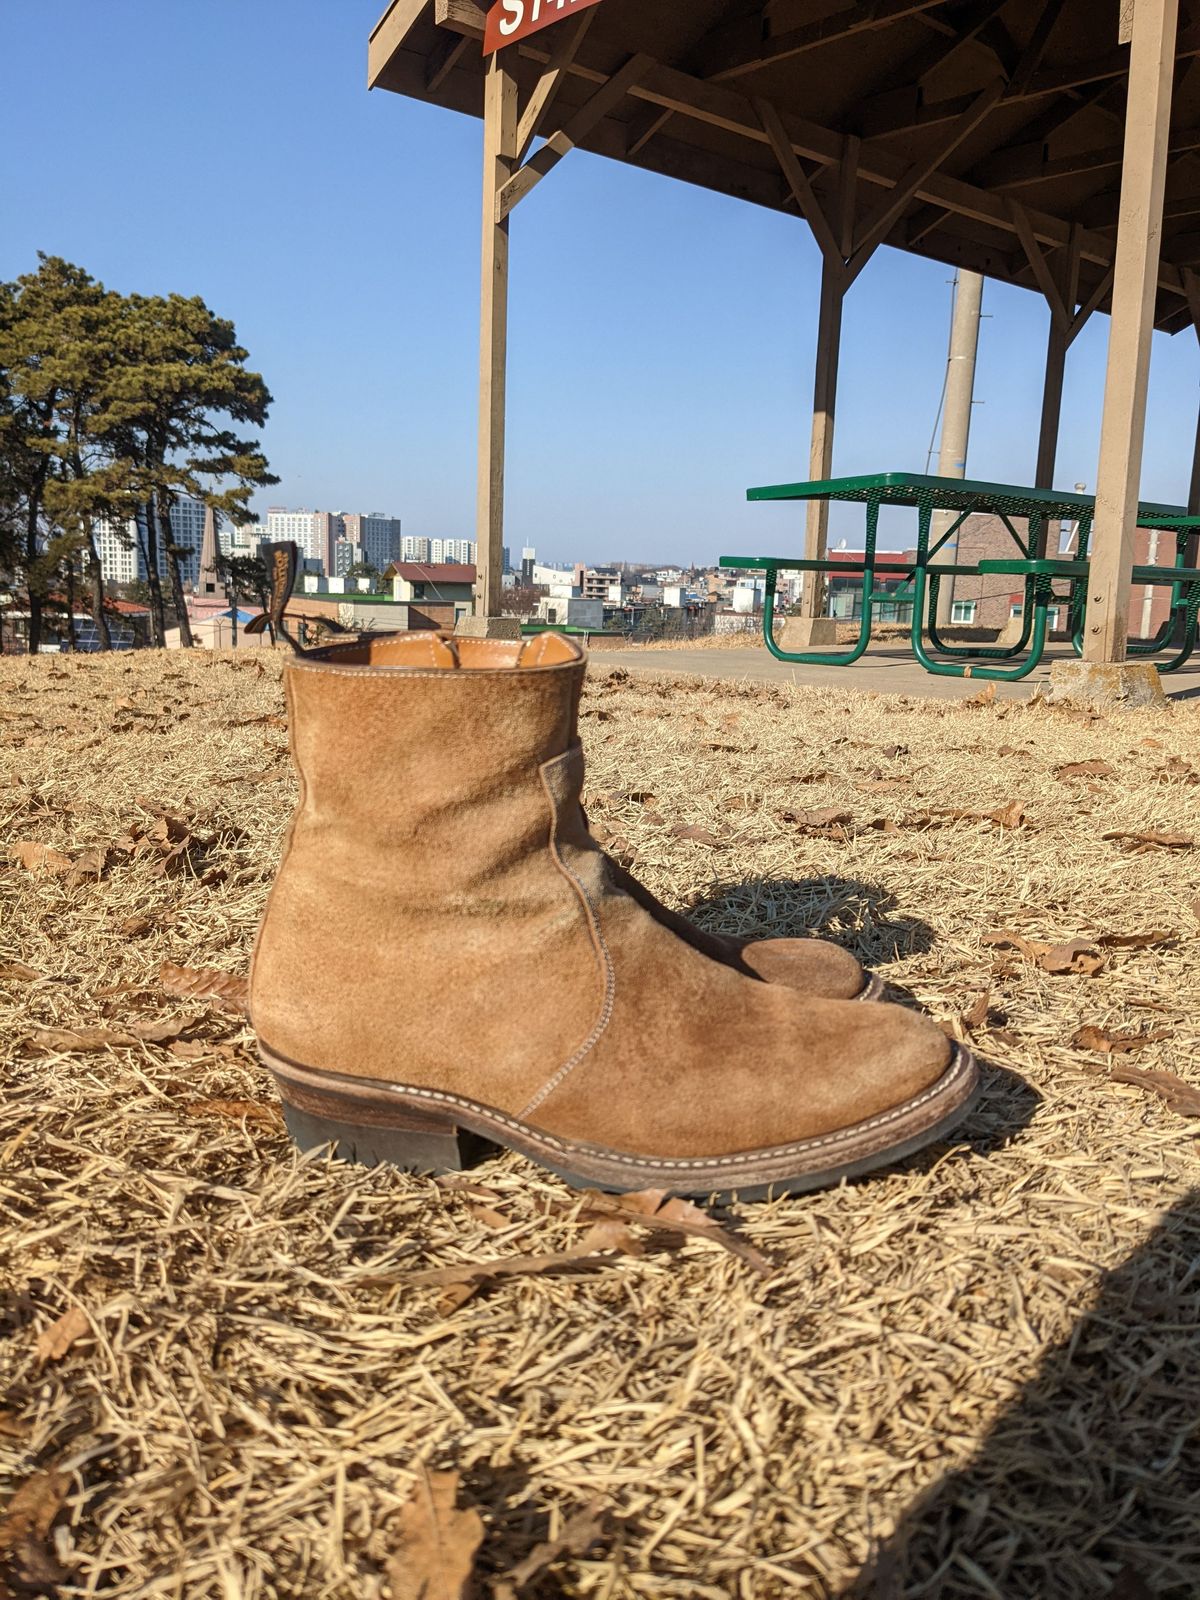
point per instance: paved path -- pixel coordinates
(884, 669)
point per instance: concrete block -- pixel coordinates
(1106, 685)
(489, 627)
(807, 633)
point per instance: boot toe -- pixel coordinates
(823, 970)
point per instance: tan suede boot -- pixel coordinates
(446, 957)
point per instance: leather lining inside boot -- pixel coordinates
(449, 653)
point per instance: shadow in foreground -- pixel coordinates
(859, 915)
(1088, 1485)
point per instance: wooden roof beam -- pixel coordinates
(725, 108)
(593, 111)
(747, 46)
(1019, 168)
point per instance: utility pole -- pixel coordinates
(956, 413)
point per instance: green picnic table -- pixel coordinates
(966, 497)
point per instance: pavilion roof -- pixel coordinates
(987, 134)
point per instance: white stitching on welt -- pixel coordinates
(610, 977)
(960, 1063)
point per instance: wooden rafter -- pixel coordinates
(593, 111)
(548, 84)
(798, 181)
(734, 51)
(720, 107)
(877, 227)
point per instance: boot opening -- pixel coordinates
(450, 654)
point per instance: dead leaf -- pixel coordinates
(18, 972)
(239, 1110)
(28, 1564)
(815, 776)
(490, 1217)
(1140, 843)
(683, 830)
(985, 697)
(90, 866)
(134, 927)
(817, 820)
(579, 1533)
(1178, 1095)
(437, 1542)
(479, 1273)
(1136, 941)
(1010, 816)
(54, 1342)
(78, 1040)
(976, 1016)
(1077, 955)
(205, 983)
(894, 750)
(610, 1233)
(1090, 1037)
(40, 857)
(664, 1213)
(11, 1426)
(1084, 769)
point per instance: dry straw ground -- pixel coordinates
(975, 1376)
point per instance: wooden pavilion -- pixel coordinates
(1053, 144)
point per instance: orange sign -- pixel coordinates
(510, 20)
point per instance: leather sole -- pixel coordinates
(425, 1130)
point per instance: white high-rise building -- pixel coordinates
(413, 548)
(309, 531)
(121, 550)
(243, 541)
(460, 552)
(118, 551)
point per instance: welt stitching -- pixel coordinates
(610, 977)
(959, 1066)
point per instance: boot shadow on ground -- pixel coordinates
(1088, 1485)
(860, 916)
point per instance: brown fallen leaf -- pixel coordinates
(977, 1014)
(579, 1533)
(610, 1233)
(437, 1542)
(18, 972)
(1136, 941)
(1090, 1037)
(36, 857)
(205, 983)
(1139, 843)
(12, 1427)
(67, 1041)
(239, 1110)
(985, 697)
(483, 1272)
(820, 818)
(1179, 1095)
(682, 830)
(490, 1217)
(28, 1564)
(665, 1213)
(1084, 769)
(54, 1341)
(1009, 816)
(1077, 955)
(134, 927)
(90, 866)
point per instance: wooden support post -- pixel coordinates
(1143, 177)
(499, 155)
(820, 456)
(1052, 393)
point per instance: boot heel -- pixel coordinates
(414, 1144)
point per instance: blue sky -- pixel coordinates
(661, 336)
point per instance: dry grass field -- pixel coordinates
(974, 1377)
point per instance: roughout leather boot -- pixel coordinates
(447, 958)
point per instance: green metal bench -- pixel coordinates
(964, 497)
